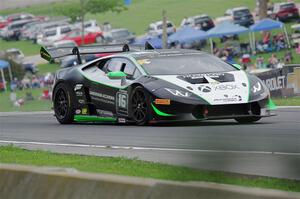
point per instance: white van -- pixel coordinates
(49, 36)
(156, 29)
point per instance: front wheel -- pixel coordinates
(63, 106)
(140, 106)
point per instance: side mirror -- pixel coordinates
(116, 75)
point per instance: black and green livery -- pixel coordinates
(142, 86)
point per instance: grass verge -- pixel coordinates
(47, 68)
(34, 105)
(134, 167)
(27, 47)
(291, 101)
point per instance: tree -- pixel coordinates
(79, 9)
(262, 8)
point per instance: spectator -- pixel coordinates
(14, 84)
(288, 57)
(35, 83)
(273, 61)
(260, 62)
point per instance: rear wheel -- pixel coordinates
(140, 106)
(63, 105)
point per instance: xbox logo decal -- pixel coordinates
(205, 89)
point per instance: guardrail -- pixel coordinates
(28, 182)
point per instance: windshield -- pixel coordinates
(184, 64)
(242, 12)
(287, 6)
(118, 34)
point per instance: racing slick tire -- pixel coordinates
(63, 104)
(247, 120)
(140, 106)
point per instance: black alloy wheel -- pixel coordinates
(140, 106)
(63, 106)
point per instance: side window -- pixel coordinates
(129, 68)
(114, 64)
(65, 30)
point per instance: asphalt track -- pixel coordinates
(270, 147)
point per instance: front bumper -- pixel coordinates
(187, 112)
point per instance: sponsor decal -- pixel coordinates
(78, 111)
(84, 111)
(122, 102)
(79, 93)
(101, 97)
(275, 83)
(81, 101)
(104, 113)
(77, 87)
(144, 61)
(162, 101)
(197, 76)
(121, 120)
(227, 87)
(204, 88)
(226, 99)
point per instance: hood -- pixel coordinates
(215, 88)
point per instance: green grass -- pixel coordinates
(47, 68)
(142, 12)
(291, 101)
(27, 47)
(134, 167)
(35, 105)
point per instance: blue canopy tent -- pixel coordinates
(224, 29)
(266, 25)
(3, 65)
(187, 34)
(156, 42)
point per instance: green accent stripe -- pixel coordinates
(249, 87)
(271, 105)
(160, 113)
(89, 118)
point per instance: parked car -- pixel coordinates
(156, 29)
(203, 22)
(25, 31)
(241, 16)
(38, 29)
(14, 54)
(115, 36)
(89, 26)
(64, 43)
(3, 22)
(285, 11)
(13, 30)
(48, 37)
(19, 17)
(88, 38)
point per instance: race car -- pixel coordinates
(145, 86)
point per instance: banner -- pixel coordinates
(275, 80)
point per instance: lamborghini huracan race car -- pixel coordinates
(149, 86)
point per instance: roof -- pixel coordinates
(226, 28)
(266, 24)
(187, 34)
(240, 8)
(164, 52)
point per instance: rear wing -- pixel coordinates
(50, 54)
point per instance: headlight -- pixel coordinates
(256, 87)
(179, 93)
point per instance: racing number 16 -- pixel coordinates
(122, 100)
